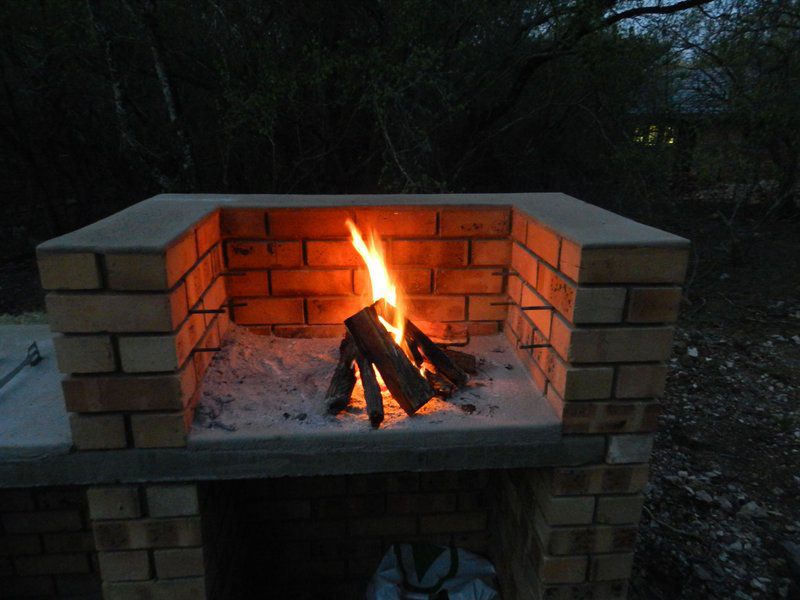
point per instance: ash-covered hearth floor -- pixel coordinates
(265, 391)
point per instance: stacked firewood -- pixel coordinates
(413, 372)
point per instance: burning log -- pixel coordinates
(406, 385)
(372, 391)
(443, 387)
(435, 355)
(343, 381)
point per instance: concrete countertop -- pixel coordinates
(152, 225)
(35, 446)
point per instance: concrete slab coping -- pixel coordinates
(153, 225)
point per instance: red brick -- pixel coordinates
(198, 280)
(481, 308)
(334, 253)
(543, 242)
(17, 545)
(312, 223)
(311, 282)
(437, 308)
(248, 283)
(207, 233)
(406, 221)
(654, 304)
(452, 522)
(16, 500)
(483, 327)
(410, 281)
(524, 264)
(74, 541)
(263, 255)
(309, 331)
(42, 521)
(468, 281)
(243, 223)
(52, 564)
(491, 252)
(623, 265)
(431, 253)
(332, 310)
(267, 311)
(519, 226)
(421, 503)
(475, 222)
(127, 392)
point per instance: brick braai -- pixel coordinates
(140, 301)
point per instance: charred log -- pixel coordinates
(402, 379)
(343, 381)
(435, 355)
(372, 391)
(464, 361)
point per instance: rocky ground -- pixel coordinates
(722, 512)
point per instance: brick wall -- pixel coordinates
(46, 545)
(606, 335)
(128, 328)
(299, 275)
(323, 537)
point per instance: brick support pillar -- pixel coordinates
(149, 541)
(602, 337)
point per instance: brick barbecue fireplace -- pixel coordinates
(197, 335)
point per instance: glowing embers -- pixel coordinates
(383, 348)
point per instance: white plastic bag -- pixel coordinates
(429, 572)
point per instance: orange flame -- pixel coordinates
(380, 281)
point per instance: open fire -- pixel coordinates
(385, 351)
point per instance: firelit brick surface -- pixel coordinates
(207, 233)
(475, 222)
(543, 242)
(128, 392)
(99, 312)
(623, 265)
(98, 432)
(243, 223)
(84, 353)
(487, 308)
(135, 271)
(199, 279)
(332, 253)
(266, 311)
(405, 221)
(263, 254)
(524, 264)
(653, 304)
(575, 383)
(248, 283)
(130, 565)
(641, 381)
(114, 502)
(312, 282)
(309, 223)
(158, 430)
(69, 271)
(332, 310)
(609, 344)
(468, 281)
(437, 308)
(490, 252)
(410, 280)
(309, 331)
(430, 253)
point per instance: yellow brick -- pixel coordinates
(98, 432)
(624, 265)
(132, 565)
(69, 271)
(137, 271)
(84, 353)
(158, 430)
(114, 502)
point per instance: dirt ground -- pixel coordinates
(723, 505)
